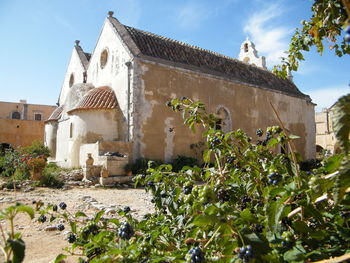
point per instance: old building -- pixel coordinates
(21, 123)
(114, 99)
(325, 137)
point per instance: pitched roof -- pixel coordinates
(149, 45)
(84, 57)
(55, 115)
(97, 99)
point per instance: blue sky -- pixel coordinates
(37, 37)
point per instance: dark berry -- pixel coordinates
(223, 195)
(54, 208)
(126, 209)
(150, 184)
(63, 205)
(34, 202)
(60, 227)
(168, 104)
(259, 132)
(125, 231)
(42, 218)
(71, 238)
(196, 255)
(246, 199)
(187, 189)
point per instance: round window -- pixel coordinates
(104, 58)
(71, 80)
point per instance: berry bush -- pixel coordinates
(251, 204)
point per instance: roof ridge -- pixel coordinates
(184, 44)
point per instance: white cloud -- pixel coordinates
(269, 37)
(326, 97)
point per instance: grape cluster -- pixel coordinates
(259, 132)
(223, 195)
(214, 141)
(126, 209)
(187, 189)
(196, 255)
(258, 228)
(71, 238)
(63, 205)
(60, 227)
(345, 214)
(91, 229)
(274, 178)
(42, 218)
(246, 253)
(125, 231)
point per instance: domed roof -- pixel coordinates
(97, 99)
(56, 114)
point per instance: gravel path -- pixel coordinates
(42, 246)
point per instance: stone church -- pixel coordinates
(113, 100)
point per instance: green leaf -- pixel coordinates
(60, 258)
(18, 248)
(301, 227)
(79, 213)
(203, 220)
(297, 254)
(73, 226)
(26, 209)
(98, 216)
(341, 121)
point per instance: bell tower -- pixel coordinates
(248, 54)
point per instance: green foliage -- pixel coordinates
(50, 177)
(251, 199)
(11, 244)
(181, 161)
(37, 148)
(141, 165)
(341, 122)
(328, 19)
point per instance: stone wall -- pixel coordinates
(248, 106)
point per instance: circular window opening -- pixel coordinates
(71, 80)
(104, 58)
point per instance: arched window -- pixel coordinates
(224, 123)
(16, 115)
(246, 47)
(71, 130)
(71, 80)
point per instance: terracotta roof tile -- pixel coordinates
(97, 98)
(56, 114)
(155, 46)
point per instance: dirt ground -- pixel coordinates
(43, 246)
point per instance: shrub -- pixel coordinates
(37, 149)
(180, 161)
(50, 177)
(252, 206)
(141, 165)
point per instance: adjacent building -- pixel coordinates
(21, 123)
(113, 100)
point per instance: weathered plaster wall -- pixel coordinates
(248, 106)
(115, 73)
(324, 130)
(76, 68)
(51, 137)
(21, 132)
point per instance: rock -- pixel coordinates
(50, 228)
